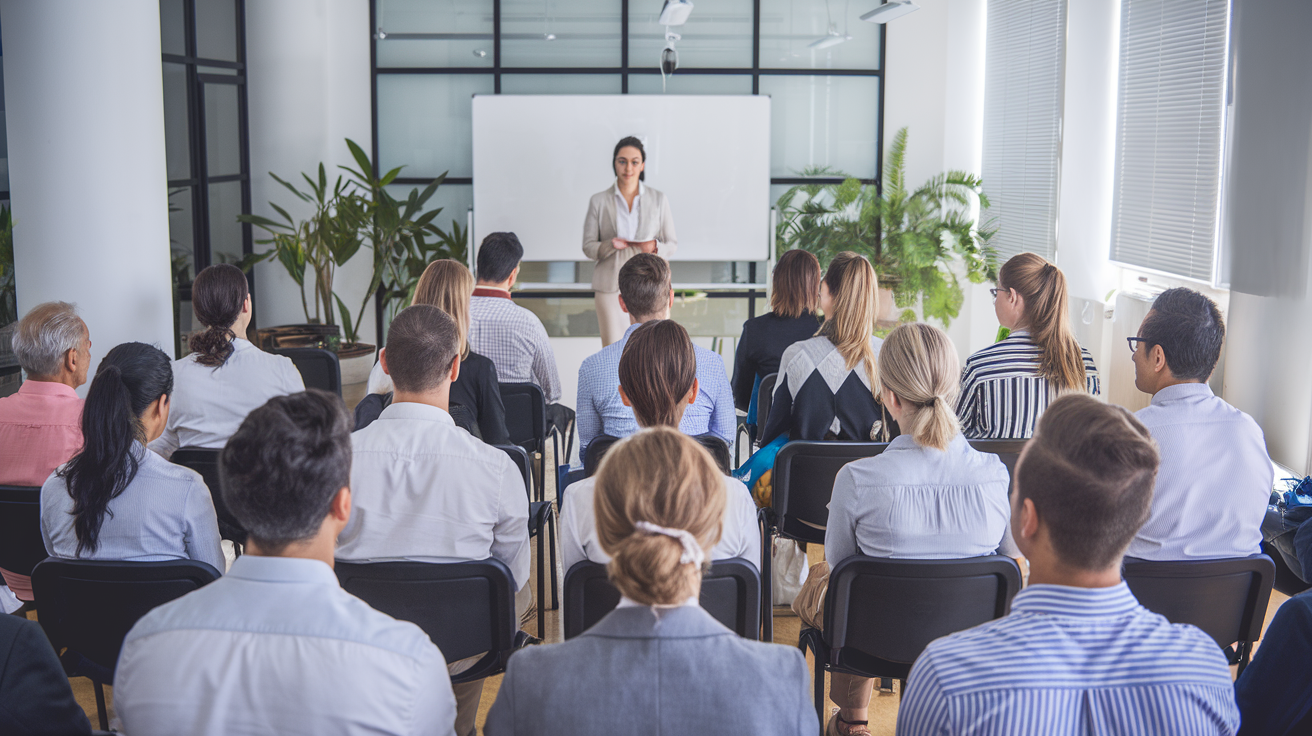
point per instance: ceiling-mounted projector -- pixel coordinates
(890, 10)
(675, 12)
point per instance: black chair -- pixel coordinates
(1008, 451)
(1227, 598)
(764, 397)
(88, 607)
(597, 449)
(466, 608)
(540, 518)
(205, 460)
(319, 368)
(803, 481)
(21, 545)
(731, 592)
(880, 614)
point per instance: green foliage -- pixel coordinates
(910, 236)
(8, 294)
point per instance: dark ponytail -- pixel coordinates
(217, 295)
(130, 378)
(635, 143)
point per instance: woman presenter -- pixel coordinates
(628, 218)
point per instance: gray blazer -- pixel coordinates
(635, 674)
(654, 223)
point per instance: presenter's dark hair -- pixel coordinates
(498, 256)
(285, 464)
(629, 141)
(1089, 470)
(421, 345)
(1190, 330)
(130, 378)
(645, 284)
(657, 369)
(217, 295)
(796, 284)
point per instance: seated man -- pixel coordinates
(1215, 478)
(41, 425)
(424, 488)
(276, 646)
(1275, 691)
(646, 295)
(35, 697)
(1077, 653)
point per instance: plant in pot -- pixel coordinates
(8, 294)
(912, 237)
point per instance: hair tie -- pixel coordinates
(692, 551)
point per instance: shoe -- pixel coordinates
(854, 728)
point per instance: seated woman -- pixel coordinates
(225, 376)
(658, 663)
(658, 380)
(1007, 385)
(475, 394)
(116, 500)
(791, 319)
(825, 389)
(930, 495)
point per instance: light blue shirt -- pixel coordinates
(276, 646)
(915, 502)
(600, 410)
(1214, 480)
(1072, 662)
(165, 513)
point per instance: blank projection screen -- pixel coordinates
(539, 158)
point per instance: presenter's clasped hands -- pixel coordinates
(647, 246)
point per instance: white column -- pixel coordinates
(85, 117)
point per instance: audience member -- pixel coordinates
(476, 395)
(658, 381)
(1077, 652)
(825, 389)
(117, 500)
(1275, 691)
(658, 663)
(41, 425)
(645, 294)
(791, 319)
(1215, 478)
(427, 490)
(276, 646)
(930, 495)
(1006, 386)
(225, 376)
(35, 697)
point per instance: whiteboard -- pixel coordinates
(539, 158)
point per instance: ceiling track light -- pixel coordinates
(675, 12)
(890, 10)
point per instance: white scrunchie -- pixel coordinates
(692, 551)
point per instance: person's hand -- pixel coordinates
(648, 246)
(619, 243)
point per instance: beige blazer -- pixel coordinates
(654, 223)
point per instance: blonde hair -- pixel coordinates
(919, 365)
(854, 289)
(448, 285)
(660, 476)
(1043, 286)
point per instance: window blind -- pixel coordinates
(1024, 57)
(1169, 130)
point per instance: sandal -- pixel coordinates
(856, 728)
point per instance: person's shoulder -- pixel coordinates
(710, 358)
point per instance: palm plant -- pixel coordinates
(8, 295)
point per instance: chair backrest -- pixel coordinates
(804, 473)
(731, 592)
(526, 415)
(597, 449)
(718, 448)
(520, 458)
(881, 613)
(1225, 598)
(90, 605)
(205, 460)
(1008, 451)
(466, 608)
(765, 397)
(21, 545)
(319, 368)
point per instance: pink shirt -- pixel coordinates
(40, 429)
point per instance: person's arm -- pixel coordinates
(545, 373)
(744, 371)
(723, 420)
(1091, 373)
(501, 716)
(35, 697)
(970, 410)
(745, 513)
(510, 533)
(571, 537)
(587, 420)
(780, 420)
(840, 532)
(491, 411)
(1275, 691)
(594, 247)
(290, 380)
(924, 709)
(201, 527)
(434, 700)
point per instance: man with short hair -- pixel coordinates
(276, 645)
(646, 295)
(427, 490)
(1077, 653)
(1215, 480)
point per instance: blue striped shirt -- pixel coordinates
(1070, 661)
(1002, 393)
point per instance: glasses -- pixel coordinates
(997, 291)
(1134, 343)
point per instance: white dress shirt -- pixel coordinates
(165, 513)
(424, 489)
(277, 647)
(1214, 480)
(739, 537)
(209, 404)
(626, 220)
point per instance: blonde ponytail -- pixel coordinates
(919, 365)
(1043, 286)
(854, 288)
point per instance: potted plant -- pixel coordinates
(911, 237)
(8, 295)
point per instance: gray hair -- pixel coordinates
(45, 335)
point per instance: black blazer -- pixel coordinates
(764, 341)
(34, 694)
(475, 402)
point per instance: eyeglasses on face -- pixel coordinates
(997, 291)
(1134, 343)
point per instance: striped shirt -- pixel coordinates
(1002, 393)
(1068, 661)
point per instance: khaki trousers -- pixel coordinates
(470, 694)
(847, 691)
(612, 319)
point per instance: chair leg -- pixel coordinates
(767, 592)
(100, 706)
(1245, 650)
(551, 529)
(542, 624)
(819, 694)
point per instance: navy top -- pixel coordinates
(1275, 691)
(762, 344)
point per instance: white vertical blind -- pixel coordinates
(1168, 135)
(1023, 68)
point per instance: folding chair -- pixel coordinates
(205, 460)
(526, 422)
(539, 517)
(319, 368)
(1008, 451)
(21, 545)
